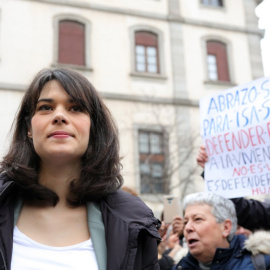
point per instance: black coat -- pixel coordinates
(252, 214)
(130, 227)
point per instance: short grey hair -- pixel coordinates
(222, 208)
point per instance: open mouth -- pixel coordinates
(192, 242)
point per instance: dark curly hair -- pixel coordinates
(100, 174)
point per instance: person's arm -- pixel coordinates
(147, 252)
(202, 158)
(252, 214)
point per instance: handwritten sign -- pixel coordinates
(235, 128)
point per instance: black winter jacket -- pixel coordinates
(252, 214)
(131, 230)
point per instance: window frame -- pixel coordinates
(160, 38)
(146, 55)
(159, 158)
(87, 36)
(219, 61)
(229, 59)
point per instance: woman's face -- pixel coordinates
(203, 234)
(60, 129)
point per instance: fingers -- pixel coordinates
(178, 225)
(163, 229)
(202, 157)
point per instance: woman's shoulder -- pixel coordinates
(187, 262)
(121, 200)
(129, 208)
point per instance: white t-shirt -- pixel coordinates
(30, 255)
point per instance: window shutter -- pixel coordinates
(71, 43)
(146, 38)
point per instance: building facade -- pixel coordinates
(151, 60)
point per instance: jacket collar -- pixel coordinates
(5, 185)
(97, 232)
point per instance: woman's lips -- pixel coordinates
(60, 134)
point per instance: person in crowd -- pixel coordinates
(171, 249)
(210, 225)
(251, 214)
(178, 228)
(61, 206)
(167, 249)
(242, 230)
(163, 228)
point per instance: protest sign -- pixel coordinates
(235, 128)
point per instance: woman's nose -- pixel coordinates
(187, 227)
(59, 118)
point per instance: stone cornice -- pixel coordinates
(12, 87)
(152, 100)
(219, 26)
(121, 97)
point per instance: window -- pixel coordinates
(215, 3)
(71, 43)
(147, 49)
(217, 62)
(212, 67)
(152, 160)
(146, 52)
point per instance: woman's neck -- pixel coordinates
(58, 178)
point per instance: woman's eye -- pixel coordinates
(76, 108)
(44, 108)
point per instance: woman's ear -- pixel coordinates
(227, 227)
(29, 134)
